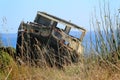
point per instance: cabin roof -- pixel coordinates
(56, 19)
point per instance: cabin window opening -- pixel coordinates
(44, 21)
(75, 33)
(61, 26)
(66, 43)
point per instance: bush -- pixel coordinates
(6, 64)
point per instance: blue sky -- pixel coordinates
(12, 12)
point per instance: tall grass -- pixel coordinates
(0, 40)
(10, 70)
(106, 29)
(105, 51)
(103, 62)
(104, 56)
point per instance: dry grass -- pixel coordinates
(94, 67)
(90, 70)
(102, 70)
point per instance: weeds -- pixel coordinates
(106, 30)
(1, 44)
(102, 63)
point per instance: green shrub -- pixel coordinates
(6, 63)
(4, 59)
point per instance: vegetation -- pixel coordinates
(0, 41)
(6, 65)
(107, 39)
(92, 69)
(102, 63)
